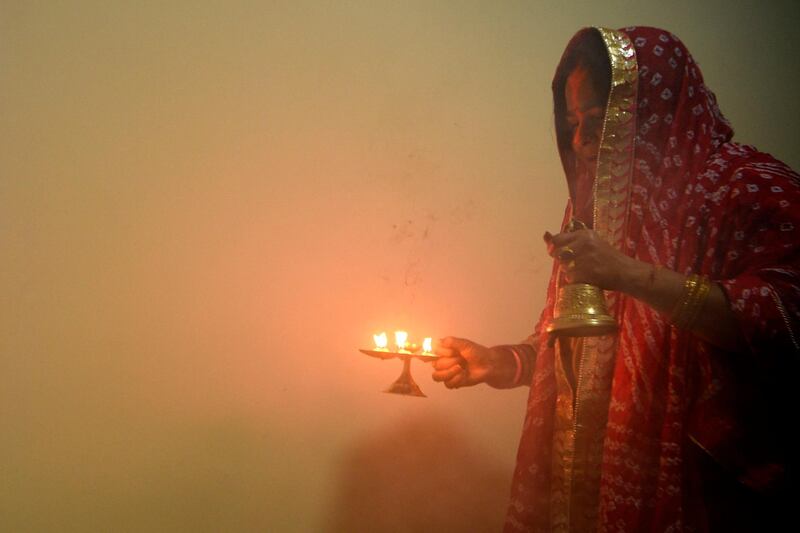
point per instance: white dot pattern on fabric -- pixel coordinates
(684, 150)
(688, 177)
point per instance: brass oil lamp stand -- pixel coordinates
(405, 383)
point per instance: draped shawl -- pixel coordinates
(673, 190)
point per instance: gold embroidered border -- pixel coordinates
(580, 428)
(615, 157)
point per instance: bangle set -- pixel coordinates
(518, 373)
(695, 292)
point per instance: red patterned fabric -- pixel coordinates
(700, 203)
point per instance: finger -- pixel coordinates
(447, 375)
(455, 343)
(459, 380)
(565, 254)
(563, 239)
(443, 363)
(560, 242)
(445, 352)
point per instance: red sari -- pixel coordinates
(678, 435)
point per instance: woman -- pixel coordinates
(679, 420)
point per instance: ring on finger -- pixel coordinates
(566, 254)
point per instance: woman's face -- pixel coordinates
(585, 113)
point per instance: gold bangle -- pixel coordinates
(677, 317)
(687, 311)
(695, 292)
(703, 288)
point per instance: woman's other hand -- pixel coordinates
(586, 258)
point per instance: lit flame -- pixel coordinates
(380, 341)
(400, 338)
(427, 345)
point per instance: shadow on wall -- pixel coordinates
(419, 475)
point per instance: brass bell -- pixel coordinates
(580, 309)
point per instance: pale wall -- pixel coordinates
(206, 207)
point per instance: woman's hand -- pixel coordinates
(586, 258)
(463, 363)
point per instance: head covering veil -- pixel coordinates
(673, 190)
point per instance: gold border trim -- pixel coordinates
(612, 182)
(580, 450)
